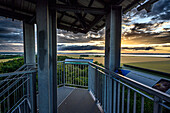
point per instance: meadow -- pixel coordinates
(153, 63)
(6, 58)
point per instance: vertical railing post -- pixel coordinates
(33, 93)
(96, 85)
(105, 93)
(89, 77)
(157, 107)
(63, 73)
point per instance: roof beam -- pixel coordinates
(81, 20)
(130, 6)
(15, 15)
(147, 5)
(61, 17)
(91, 2)
(71, 16)
(78, 15)
(67, 23)
(32, 1)
(94, 22)
(79, 9)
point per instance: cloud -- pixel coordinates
(7, 22)
(139, 48)
(160, 6)
(11, 47)
(139, 27)
(70, 37)
(88, 47)
(73, 48)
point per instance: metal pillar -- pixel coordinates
(47, 81)
(107, 55)
(115, 38)
(112, 51)
(29, 43)
(107, 41)
(29, 58)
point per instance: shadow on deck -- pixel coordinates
(76, 100)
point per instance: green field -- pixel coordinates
(152, 63)
(6, 60)
(163, 66)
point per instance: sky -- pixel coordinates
(142, 32)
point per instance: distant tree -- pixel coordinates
(100, 64)
(84, 55)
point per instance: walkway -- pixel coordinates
(75, 100)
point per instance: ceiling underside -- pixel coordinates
(72, 15)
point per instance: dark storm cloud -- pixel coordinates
(10, 31)
(139, 48)
(62, 47)
(142, 25)
(70, 37)
(10, 35)
(160, 6)
(11, 47)
(160, 11)
(73, 48)
(145, 27)
(6, 22)
(165, 16)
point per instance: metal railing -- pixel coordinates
(15, 91)
(72, 73)
(116, 93)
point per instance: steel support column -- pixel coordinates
(46, 41)
(29, 58)
(112, 51)
(115, 38)
(29, 43)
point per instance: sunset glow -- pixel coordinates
(142, 32)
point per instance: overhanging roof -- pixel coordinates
(72, 15)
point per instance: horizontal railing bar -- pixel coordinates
(134, 89)
(136, 84)
(167, 107)
(21, 67)
(76, 85)
(9, 87)
(17, 73)
(13, 79)
(16, 103)
(8, 78)
(14, 90)
(76, 61)
(60, 85)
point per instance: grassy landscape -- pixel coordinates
(153, 63)
(163, 66)
(6, 58)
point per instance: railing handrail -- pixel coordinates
(136, 84)
(74, 61)
(17, 73)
